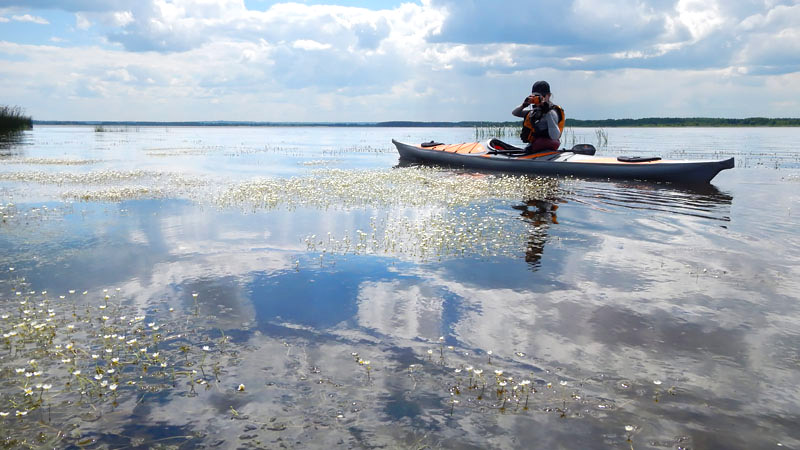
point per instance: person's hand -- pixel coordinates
(527, 101)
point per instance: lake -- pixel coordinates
(297, 287)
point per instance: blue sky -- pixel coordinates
(351, 60)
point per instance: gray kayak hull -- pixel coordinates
(563, 164)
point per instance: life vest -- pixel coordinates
(534, 127)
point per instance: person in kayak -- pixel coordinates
(543, 120)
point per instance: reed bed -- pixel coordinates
(13, 118)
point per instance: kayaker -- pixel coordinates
(543, 120)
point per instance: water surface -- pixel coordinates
(299, 288)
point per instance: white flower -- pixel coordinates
(657, 382)
(498, 372)
(47, 387)
(628, 427)
(206, 348)
(76, 373)
(98, 377)
(113, 386)
(240, 388)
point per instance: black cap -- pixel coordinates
(541, 87)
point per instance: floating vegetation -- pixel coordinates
(187, 151)
(357, 149)
(319, 162)
(458, 225)
(105, 176)
(11, 214)
(409, 186)
(435, 236)
(158, 184)
(50, 161)
(116, 194)
(79, 356)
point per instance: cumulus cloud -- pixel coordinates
(30, 18)
(587, 35)
(81, 22)
(432, 60)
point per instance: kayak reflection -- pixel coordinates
(702, 201)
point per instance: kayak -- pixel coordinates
(580, 161)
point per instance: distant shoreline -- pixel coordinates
(577, 123)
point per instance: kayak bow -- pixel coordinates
(580, 161)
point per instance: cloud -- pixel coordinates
(585, 35)
(433, 60)
(81, 22)
(31, 19)
(67, 5)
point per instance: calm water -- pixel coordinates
(294, 287)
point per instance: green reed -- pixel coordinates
(13, 118)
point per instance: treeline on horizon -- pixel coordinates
(12, 118)
(577, 123)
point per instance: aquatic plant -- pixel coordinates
(486, 131)
(602, 137)
(50, 161)
(13, 118)
(82, 355)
